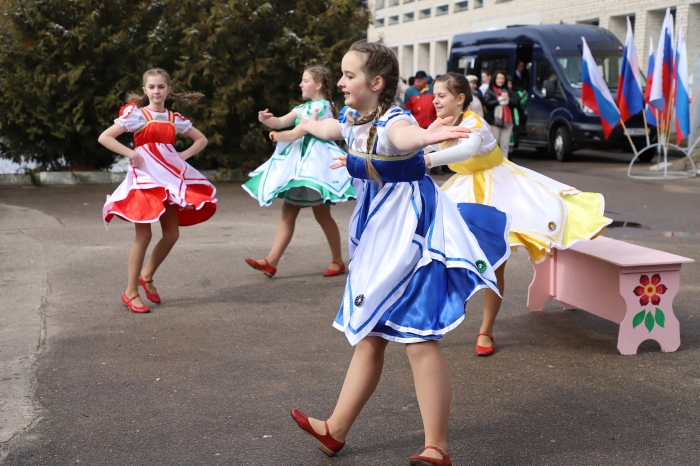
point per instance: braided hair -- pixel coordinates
(457, 84)
(377, 60)
(189, 98)
(320, 74)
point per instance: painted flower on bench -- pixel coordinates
(650, 290)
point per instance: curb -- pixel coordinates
(74, 178)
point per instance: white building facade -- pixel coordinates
(420, 31)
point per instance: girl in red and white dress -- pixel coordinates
(160, 185)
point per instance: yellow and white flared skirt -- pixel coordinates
(545, 213)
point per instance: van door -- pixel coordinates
(540, 105)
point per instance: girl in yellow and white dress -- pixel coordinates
(545, 213)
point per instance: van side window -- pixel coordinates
(543, 72)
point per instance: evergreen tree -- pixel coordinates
(66, 65)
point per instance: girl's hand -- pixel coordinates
(135, 159)
(442, 130)
(309, 123)
(428, 162)
(264, 115)
(272, 136)
(342, 161)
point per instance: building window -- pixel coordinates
(380, 4)
(461, 6)
(442, 10)
(408, 17)
(422, 14)
(478, 3)
(407, 1)
(393, 20)
(393, 2)
(503, 1)
(379, 23)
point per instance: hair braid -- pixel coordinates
(378, 60)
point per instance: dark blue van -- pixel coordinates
(555, 118)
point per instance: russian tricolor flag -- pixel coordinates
(595, 93)
(663, 67)
(681, 95)
(651, 118)
(630, 99)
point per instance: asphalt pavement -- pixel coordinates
(209, 376)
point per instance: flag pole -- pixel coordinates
(629, 138)
(695, 99)
(671, 101)
(646, 127)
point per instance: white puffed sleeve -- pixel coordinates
(130, 117)
(182, 124)
(324, 109)
(345, 119)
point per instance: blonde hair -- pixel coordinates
(188, 98)
(320, 74)
(378, 60)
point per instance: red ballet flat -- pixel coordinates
(485, 350)
(153, 297)
(266, 268)
(329, 445)
(128, 303)
(332, 273)
(417, 460)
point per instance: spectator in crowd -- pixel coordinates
(400, 93)
(499, 105)
(521, 78)
(419, 100)
(410, 81)
(485, 81)
(475, 106)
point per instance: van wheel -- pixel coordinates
(562, 144)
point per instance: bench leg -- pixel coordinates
(540, 290)
(649, 321)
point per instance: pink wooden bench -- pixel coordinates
(630, 285)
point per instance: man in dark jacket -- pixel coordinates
(419, 100)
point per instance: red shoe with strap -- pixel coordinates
(418, 460)
(329, 445)
(485, 350)
(153, 297)
(266, 268)
(128, 303)
(333, 273)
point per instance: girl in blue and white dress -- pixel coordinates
(299, 173)
(415, 256)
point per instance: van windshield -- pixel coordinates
(609, 64)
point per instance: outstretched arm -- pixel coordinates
(407, 137)
(289, 135)
(328, 130)
(460, 152)
(200, 142)
(271, 121)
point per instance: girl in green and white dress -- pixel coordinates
(299, 172)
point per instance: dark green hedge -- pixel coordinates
(66, 65)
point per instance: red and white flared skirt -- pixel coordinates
(163, 178)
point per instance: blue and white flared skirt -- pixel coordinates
(416, 258)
